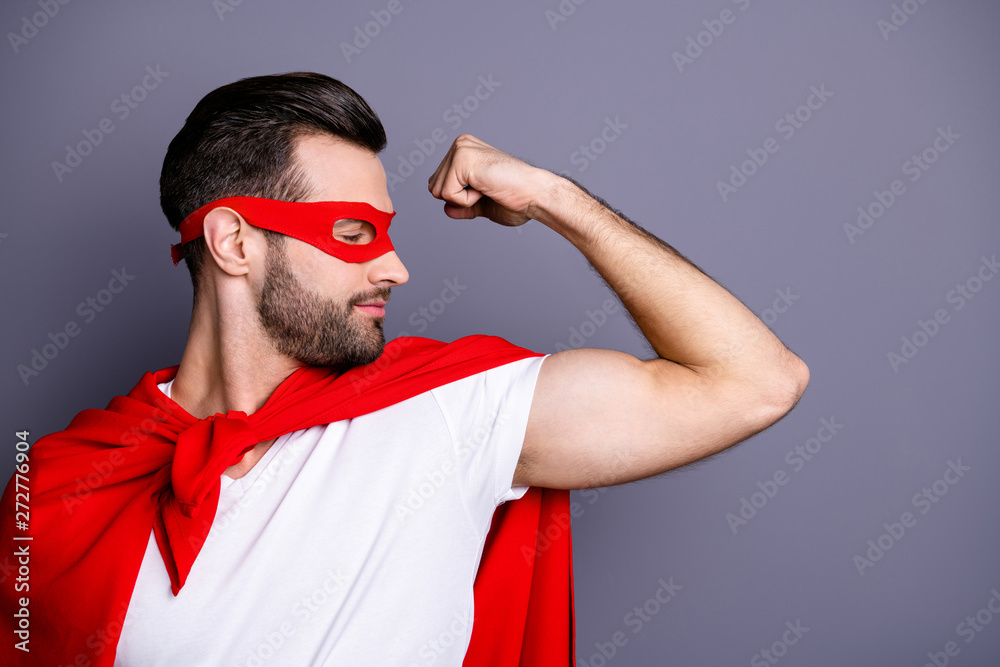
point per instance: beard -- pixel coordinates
(317, 331)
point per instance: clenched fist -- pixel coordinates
(477, 180)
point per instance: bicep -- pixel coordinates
(601, 417)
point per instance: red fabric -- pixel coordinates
(98, 487)
(310, 222)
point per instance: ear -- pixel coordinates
(232, 242)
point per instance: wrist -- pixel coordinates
(553, 196)
(562, 206)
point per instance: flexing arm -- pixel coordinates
(600, 417)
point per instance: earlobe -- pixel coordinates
(226, 237)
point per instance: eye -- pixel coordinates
(354, 232)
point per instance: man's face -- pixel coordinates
(310, 303)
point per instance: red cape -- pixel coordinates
(98, 487)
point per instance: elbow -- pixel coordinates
(771, 395)
(800, 380)
(786, 390)
(765, 393)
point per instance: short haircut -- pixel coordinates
(240, 140)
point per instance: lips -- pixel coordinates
(374, 308)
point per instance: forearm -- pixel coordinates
(686, 316)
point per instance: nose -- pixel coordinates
(387, 268)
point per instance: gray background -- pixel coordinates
(794, 561)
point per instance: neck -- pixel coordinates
(230, 366)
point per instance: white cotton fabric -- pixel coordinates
(351, 543)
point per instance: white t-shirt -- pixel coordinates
(351, 543)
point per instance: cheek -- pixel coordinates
(308, 262)
(323, 273)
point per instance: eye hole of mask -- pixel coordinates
(353, 232)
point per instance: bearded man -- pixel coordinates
(297, 491)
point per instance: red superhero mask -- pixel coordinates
(311, 222)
